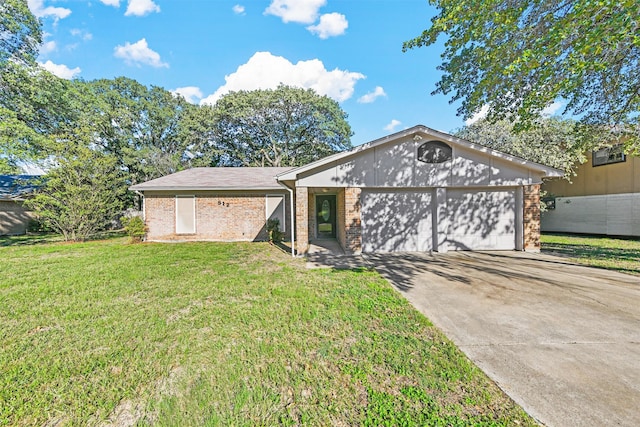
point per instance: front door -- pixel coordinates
(326, 216)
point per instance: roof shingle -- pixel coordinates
(14, 187)
(225, 178)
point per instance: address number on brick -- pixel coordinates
(224, 204)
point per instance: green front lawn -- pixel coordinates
(228, 334)
(604, 252)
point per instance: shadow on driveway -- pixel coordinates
(562, 340)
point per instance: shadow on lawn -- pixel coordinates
(45, 238)
(587, 251)
(617, 259)
(30, 239)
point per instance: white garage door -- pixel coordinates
(396, 221)
(481, 219)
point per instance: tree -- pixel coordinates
(551, 142)
(151, 131)
(81, 195)
(35, 106)
(281, 127)
(20, 32)
(517, 57)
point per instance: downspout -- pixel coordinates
(293, 240)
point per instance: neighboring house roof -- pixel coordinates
(225, 178)
(17, 187)
(293, 173)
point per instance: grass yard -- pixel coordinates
(107, 333)
(614, 254)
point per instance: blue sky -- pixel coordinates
(350, 50)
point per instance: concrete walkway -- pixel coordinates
(562, 340)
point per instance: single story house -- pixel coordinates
(415, 190)
(14, 217)
(603, 197)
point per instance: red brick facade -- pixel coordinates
(219, 216)
(233, 216)
(302, 220)
(352, 220)
(531, 217)
(341, 235)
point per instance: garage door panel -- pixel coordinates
(481, 219)
(396, 221)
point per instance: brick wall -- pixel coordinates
(341, 221)
(312, 218)
(302, 220)
(219, 216)
(14, 218)
(352, 215)
(531, 217)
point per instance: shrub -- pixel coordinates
(80, 195)
(36, 226)
(273, 228)
(135, 228)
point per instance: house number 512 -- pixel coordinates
(224, 204)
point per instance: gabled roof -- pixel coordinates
(16, 187)
(245, 178)
(292, 174)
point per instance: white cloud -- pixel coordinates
(138, 54)
(392, 125)
(477, 116)
(551, 109)
(330, 25)
(115, 3)
(238, 9)
(141, 8)
(191, 93)
(372, 96)
(60, 70)
(38, 9)
(83, 34)
(300, 11)
(267, 71)
(47, 46)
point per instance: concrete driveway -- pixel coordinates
(562, 340)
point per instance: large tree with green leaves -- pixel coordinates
(151, 131)
(20, 37)
(286, 126)
(35, 106)
(551, 141)
(20, 32)
(519, 56)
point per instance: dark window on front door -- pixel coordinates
(326, 215)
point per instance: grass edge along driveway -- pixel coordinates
(610, 253)
(222, 333)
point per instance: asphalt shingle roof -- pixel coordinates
(17, 186)
(245, 178)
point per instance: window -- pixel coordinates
(434, 152)
(275, 209)
(185, 214)
(608, 155)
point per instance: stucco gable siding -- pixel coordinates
(395, 165)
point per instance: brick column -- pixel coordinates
(531, 217)
(352, 223)
(302, 220)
